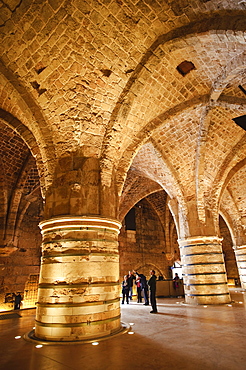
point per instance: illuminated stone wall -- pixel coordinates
(145, 248)
(16, 269)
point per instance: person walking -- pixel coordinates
(152, 286)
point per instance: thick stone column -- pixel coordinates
(204, 274)
(240, 253)
(79, 281)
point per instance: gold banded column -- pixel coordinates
(204, 274)
(240, 253)
(78, 295)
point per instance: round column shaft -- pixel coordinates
(204, 274)
(78, 295)
(240, 253)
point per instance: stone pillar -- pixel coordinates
(240, 253)
(78, 295)
(204, 274)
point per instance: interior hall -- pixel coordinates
(122, 149)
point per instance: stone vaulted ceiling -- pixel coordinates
(100, 78)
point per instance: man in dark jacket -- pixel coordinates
(18, 299)
(144, 287)
(152, 287)
(131, 277)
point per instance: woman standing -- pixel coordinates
(139, 289)
(125, 290)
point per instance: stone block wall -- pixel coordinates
(145, 248)
(17, 269)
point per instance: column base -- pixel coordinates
(30, 337)
(208, 300)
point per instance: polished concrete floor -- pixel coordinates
(178, 337)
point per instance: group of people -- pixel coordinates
(143, 286)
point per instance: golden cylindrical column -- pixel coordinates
(78, 295)
(204, 274)
(240, 253)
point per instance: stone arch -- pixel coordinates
(149, 266)
(227, 171)
(232, 211)
(201, 150)
(20, 111)
(229, 245)
(235, 154)
(145, 192)
(30, 141)
(18, 204)
(218, 21)
(226, 217)
(142, 137)
(234, 67)
(19, 182)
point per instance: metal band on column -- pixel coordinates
(78, 295)
(240, 253)
(204, 274)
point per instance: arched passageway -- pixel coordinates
(109, 97)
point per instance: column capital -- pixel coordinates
(79, 222)
(199, 240)
(239, 247)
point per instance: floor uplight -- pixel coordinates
(205, 306)
(229, 305)
(131, 323)
(95, 343)
(131, 332)
(18, 337)
(39, 346)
